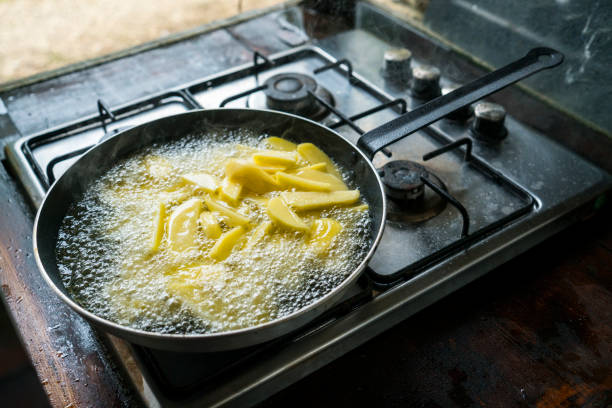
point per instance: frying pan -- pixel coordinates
(70, 187)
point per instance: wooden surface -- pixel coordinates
(535, 332)
(70, 361)
(19, 385)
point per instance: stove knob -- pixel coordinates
(461, 114)
(425, 84)
(488, 122)
(397, 65)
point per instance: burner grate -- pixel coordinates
(183, 376)
(75, 138)
(51, 152)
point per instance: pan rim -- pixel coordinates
(119, 328)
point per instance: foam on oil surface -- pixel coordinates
(106, 263)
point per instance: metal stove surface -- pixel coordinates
(486, 201)
(516, 194)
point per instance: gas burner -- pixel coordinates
(292, 92)
(409, 200)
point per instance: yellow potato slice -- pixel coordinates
(335, 183)
(275, 158)
(278, 143)
(249, 175)
(224, 245)
(360, 207)
(282, 215)
(307, 200)
(232, 217)
(158, 167)
(158, 226)
(272, 169)
(210, 225)
(175, 196)
(203, 181)
(230, 191)
(290, 180)
(203, 289)
(184, 279)
(319, 167)
(194, 284)
(322, 234)
(182, 225)
(313, 155)
(259, 233)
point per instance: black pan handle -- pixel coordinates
(536, 60)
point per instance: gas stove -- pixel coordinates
(465, 194)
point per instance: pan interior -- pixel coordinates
(168, 135)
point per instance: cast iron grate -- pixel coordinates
(185, 95)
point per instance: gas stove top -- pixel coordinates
(465, 194)
(462, 198)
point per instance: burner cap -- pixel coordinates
(289, 89)
(292, 92)
(402, 179)
(409, 200)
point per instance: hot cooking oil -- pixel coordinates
(111, 266)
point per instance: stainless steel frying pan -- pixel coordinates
(69, 188)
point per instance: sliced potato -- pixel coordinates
(321, 177)
(322, 233)
(279, 143)
(182, 225)
(282, 215)
(319, 167)
(313, 155)
(202, 288)
(249, 175)
(203, 181)
(184, 279)
(272, 169)
(230, 191)
(291, 180)
(210, 225)
(158, 226)
(193, 284)
(224, 245)
(307, 200)
(232, 217)
(275, 158)
(360, 207)
(259, 233)
(175, 196)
